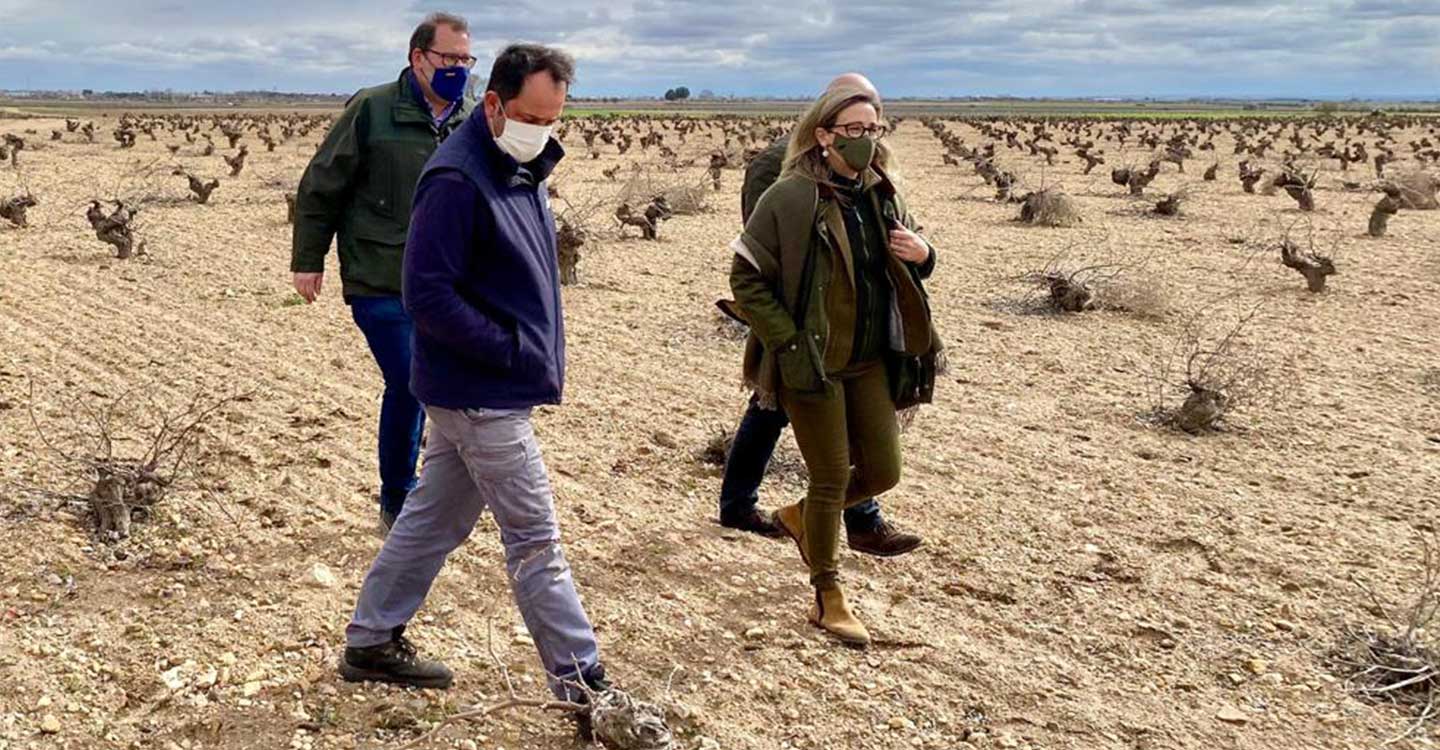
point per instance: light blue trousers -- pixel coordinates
(478, 459)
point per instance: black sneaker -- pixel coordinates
(595, 682)
(394, 662)
(754, 522)
(387, 522)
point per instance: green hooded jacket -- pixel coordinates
(360, 184)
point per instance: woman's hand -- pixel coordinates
(907, 246)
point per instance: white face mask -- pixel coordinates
(522, 140)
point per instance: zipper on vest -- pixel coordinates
(863, 317)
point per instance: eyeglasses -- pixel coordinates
(857, 129)
(453, 60)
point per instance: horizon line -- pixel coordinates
(1112, 98)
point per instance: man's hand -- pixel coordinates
(908, 246)
(308, 285)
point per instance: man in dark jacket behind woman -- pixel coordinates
(482, 283)
(828, 274)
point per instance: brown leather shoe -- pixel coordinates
(831, 614)
(884, 541)
(791, 520)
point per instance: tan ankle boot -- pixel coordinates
(791, 520)
(831, 613)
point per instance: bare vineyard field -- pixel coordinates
(1092, 578)
(1056, 108)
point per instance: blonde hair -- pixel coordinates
(803, 154)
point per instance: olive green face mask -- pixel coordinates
(857, 152)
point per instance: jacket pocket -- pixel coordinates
(384, 230)
(376, 265)
(799, 360)
(378, 191)
(395, 167)
(528, 361)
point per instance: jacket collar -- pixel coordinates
(507, 170)
(406, 108)
(876, 179)
(870, 178)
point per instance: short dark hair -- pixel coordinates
(424, 35)
(517, 62)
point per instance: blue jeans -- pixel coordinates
(755, 441)
(387, 328)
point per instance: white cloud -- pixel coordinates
(1061, 47)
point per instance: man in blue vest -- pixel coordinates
(481, 282)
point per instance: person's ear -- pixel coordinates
(824, 137)
(491, 103)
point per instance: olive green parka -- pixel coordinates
(802, 318)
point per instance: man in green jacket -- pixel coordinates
(357, 190)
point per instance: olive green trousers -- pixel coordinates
(850, 440)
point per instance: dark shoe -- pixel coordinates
(791, 520)
(754, 522)
(884, 541)
(394, 662)
(387, 522)
(595, 683)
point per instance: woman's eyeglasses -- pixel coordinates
(858, 129)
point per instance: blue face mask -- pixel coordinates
(449, 83)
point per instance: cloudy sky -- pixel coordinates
(1321, 48)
